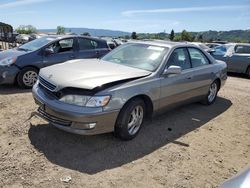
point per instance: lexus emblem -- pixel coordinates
(50, 76)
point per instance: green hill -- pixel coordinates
(207, 36)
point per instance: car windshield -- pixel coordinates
(35, 44)
(141, 56)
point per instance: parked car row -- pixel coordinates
(237, 57)
(116, 92)
(24, 38)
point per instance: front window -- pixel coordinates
(63, 45)
(179, 57)
(36, 44)
(142, 56)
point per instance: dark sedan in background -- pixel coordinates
(23, 63)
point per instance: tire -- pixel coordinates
(27, 77)
(128, 125)
(212, 93)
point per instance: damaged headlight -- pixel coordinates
(88, 101)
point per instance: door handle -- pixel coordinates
(189, 77)
(72, 56)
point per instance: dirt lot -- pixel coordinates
(193, 146)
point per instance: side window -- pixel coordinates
(101, 44)
(197, 57)
(179, 57)
(242, 49)
(86, 44)
(62, 46)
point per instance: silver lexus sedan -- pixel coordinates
(131, 83)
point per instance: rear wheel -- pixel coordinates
(212, 93)
(130, 119)
(27, 77)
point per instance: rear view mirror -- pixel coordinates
(48, 51)
(172, 70)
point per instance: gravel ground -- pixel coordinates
(192, 146)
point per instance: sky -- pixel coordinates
(146, 16)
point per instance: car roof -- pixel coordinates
(243, 44)
(163, 43)
(73, 36)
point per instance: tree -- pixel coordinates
(126, 37)
(200, 38)
(185, 36)
(86, 34)
(26, 29)
(177, 38)
(133, 35)
(172, 35)
(60, 30)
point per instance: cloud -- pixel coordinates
(188, 9)
(20, 13)
(18, 3)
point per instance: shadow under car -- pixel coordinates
(92, 154)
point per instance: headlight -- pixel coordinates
(88, 101)
(7, 61)
(98, 101)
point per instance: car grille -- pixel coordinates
(47, 84)
(53, 119)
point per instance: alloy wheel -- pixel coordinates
(212, 92)
(135, 120)
(30, 78)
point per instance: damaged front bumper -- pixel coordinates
(71, 118)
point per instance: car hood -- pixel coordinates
(88, 73)
(11, 53)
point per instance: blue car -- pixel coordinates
(23, 63)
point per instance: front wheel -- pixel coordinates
(27, 77)
(130, 119)
(212, 93)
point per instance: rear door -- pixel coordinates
(87, 48)
(202, 72)
(63, 50)
(102, 48)
(240, 59)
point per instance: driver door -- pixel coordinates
(177, 88)
(61, 51)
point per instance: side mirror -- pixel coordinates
(172, 70)
(48, 51)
